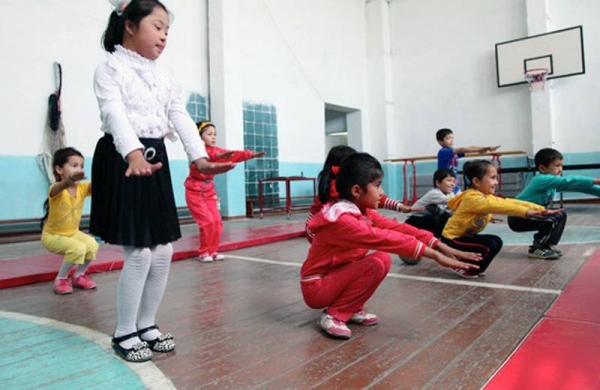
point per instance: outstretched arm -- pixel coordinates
(476, 149)
(62, 185)
(212, 168)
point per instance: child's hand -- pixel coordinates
(493, 148)
(402, 208)
(258, 154)
(225, 155)
(75, 177)
(212, 168)
(537, 213)
(138, 166)
(457, 254)
(449, 262)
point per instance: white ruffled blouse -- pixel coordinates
(139, 100)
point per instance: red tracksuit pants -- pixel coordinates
(345, 290)
(205, 211)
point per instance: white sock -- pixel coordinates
(129, 291)
(82, 268)
(64, 270)
(154, 289)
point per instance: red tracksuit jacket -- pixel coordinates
(343, 235)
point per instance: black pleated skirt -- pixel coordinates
(135, 211)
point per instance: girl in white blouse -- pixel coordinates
(132, 199)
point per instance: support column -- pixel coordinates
(381, 83)
(226, 102)
(538, 22)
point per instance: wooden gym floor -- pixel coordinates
(241, 323)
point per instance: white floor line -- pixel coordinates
(149, 374)
(589, 252)
(422, 278)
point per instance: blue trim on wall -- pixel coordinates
(24, 187)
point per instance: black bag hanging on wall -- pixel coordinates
(54, 100)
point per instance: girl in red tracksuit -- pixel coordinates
(339, 273)
(336, 155)
(201, 195)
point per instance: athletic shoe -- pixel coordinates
(363, 318)
(556, 250)
(62, 286)
(206, 259)
(463, 273)
(218, 257)
(84, 282)
(335, 327)
(542, 253)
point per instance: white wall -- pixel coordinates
(444, 70)
(575, 107)
(299, 55)
(70, 32)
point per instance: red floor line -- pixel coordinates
(563, 350)
(42, 268)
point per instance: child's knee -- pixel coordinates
(383, 261)
(76, 253)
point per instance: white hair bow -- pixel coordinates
(119, 5)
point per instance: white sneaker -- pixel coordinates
(364, 318)
(206, 259)
(218, 257)
(335, 327)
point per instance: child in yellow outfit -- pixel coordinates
(472, 211)
(61, 232)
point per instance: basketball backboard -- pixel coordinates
(561, 52)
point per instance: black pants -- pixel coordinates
(433, 223)
(487, 245)
(549, 228)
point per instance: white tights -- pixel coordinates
(141, 287)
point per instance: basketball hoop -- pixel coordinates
(536, 78)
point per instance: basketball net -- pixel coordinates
(536, 78)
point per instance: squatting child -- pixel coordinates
(348, 257)
(472, 211)
(61, 221)
(541, 190)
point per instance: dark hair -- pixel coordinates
(442, 133)
(546, 156)
(60, 158)
(475, 169)
(357, 169)
(336, 155)
(134, 12)
(441, 174)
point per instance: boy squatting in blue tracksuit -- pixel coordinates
(541, 190)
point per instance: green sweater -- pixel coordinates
(542, 187)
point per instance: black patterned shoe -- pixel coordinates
(138, 353)
(163, 343)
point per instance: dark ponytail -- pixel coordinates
(334, 159)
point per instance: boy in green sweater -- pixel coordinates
(541, 190)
